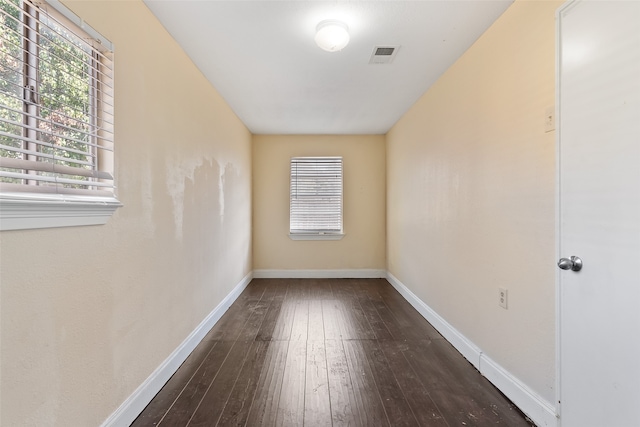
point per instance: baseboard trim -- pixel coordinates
(320, 274)
(533, 405)
(140, 398)
(469, 350)
(541, 412)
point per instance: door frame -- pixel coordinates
(558, 120)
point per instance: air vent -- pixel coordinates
(384, 51)
(383, 54)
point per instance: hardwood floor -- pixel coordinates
(326, 352)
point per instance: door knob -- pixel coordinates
(573, 264)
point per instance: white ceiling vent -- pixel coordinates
(383, 54)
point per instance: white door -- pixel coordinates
(599, 213)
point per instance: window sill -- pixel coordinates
(22, 211)
(316, 236)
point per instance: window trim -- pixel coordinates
(316, 236)
(33, 209)
(20, 211)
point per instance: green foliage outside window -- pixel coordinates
(10, 75)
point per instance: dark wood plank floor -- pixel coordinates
(326, 352)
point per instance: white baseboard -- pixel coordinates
(469, 350)
(140, 398)
(533, 405)
(320, 274)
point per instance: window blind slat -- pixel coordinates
(93, 133)
(45, 145)
(20, 164)
(40, 156)
(57, 179)
(57, 146)
(53, 189)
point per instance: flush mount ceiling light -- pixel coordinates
(332, 35)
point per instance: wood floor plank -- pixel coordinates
(264, 408)
(258, 312)
(165, 398)
(378, 326)
(369, 406)
(407, 315)
(213, 402)
(275, 289)
(317, 404)
(348, 330)
(320, 289)
(369, 289)
(280, 289)
(417, 396)
(228, 319)
(265, 333)
(238, 322)
(402, 320)
(358, 320)
(330, 319)
(361, 288)
(298, 289)
(395, 405)
(341, 394)
(236, 411)
(233, 320)
(491, 404)
(315, 330)
(253, 292)
(284, 323)
(255, 289)
(300, 322)
(395, 329)
(292, 395)
(343, 288)
(453, 389)
(189, 399)
(350, 320)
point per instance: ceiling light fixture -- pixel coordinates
(332, 35)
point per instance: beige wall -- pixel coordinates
(470, 195)
(363, 247)
(88, 313)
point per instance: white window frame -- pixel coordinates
(318, 232)
(25, 206)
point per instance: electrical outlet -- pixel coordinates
(502, 297)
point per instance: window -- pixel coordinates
(316, 198)
(56, 118)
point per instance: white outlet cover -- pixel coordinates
(503, 295)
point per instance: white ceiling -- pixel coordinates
(262, 59)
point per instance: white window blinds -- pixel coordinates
(316, 195)
(56, 102)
